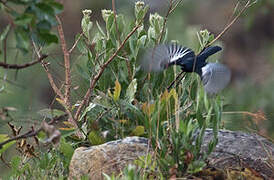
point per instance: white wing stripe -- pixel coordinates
(177, 56)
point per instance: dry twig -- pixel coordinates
(21, 66)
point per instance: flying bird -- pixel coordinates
(215, 76)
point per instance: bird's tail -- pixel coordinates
(208, 52)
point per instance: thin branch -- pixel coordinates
(66, 62)
(165, 21)
(96, 78)
(5, 49)
(177, 79)
(171, 8)
(21, 66)
(247, 5)
(6, 6)
(30, 133)
(51, 81)
(75, 43)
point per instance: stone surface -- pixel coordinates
(107, 158)
(238, 149)
(235, 149)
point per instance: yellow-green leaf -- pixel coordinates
(117, 90)
(95, 139)
(4, 137)
(138, 131)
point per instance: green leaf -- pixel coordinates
(46, 8)
(58, 7)
(4, 137)
(22, 39)
(44, 26)
(131, 90)
(120, 23)
(100, 29)
(110, 23)
(141, 41)
(138, 131)
(81, 46)
(117, 91)
(95, 139)
(48, 38)
(89, 108)
(44, 161)
(15, 162)
(51, 113)
(24, 20)
(5, 33)
(21, 2)
(66, 148)
(132, 46)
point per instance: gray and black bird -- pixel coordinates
(214, 76)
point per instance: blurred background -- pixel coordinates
(248, 49)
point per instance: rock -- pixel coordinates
(107, 158)
(235, 149)
(238, 149)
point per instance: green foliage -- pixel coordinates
(51, 113)
(129, 173)
(139, 104)
(35, 23)
(4, 137)
(49, 165)
(125, 101)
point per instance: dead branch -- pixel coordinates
(21, 66)
(30, 133)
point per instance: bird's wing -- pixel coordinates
(215, 77)
(177, 52)
(159, 58)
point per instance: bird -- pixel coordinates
(214, 76)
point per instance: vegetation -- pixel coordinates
(120, 99)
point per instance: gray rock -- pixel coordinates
(235, 149)
(238, 149)
(107, 158)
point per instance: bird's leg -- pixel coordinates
(177, 79)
